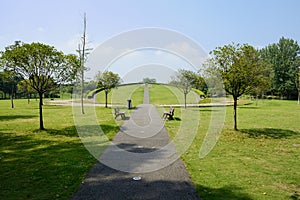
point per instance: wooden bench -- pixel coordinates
(118, 113)
(169, 114)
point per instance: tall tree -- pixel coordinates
(41, 64)
(107, 80)
(240, 69)
(184, 81)
(284, 58)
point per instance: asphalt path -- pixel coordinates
(141, 163)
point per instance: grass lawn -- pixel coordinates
(120, 95)
(260, 161)
(43, 164)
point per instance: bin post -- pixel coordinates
(129, 104)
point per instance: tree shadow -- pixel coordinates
(112, 184)
(130, 147)
(40, 163)
(207, 109)
(249, 107)
(68, 131)
(271, 133)
(228, 192)
(13, 117)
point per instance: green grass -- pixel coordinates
(43, 164)
(164, 94)
(261, 161)
(120, 95)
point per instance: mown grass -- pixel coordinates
(120, 95)
(166, 95)
(46, 164)
(260, 161)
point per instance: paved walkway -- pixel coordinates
(141, 149)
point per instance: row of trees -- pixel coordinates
(244, 70)
(40, 67)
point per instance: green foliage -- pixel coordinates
(185, 80)
(149, 80)
(107, 80)
(41, 64)
(199, 92)
(284, 59)
(240, 69)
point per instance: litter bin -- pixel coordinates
(129, 103)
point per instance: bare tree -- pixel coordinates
(83, 52)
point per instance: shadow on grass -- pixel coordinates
(228, 192)
(269, 133)
(13, 117)
(177, 119)
(207, 109)
(36, 167)
(68, 131)
(249, 107)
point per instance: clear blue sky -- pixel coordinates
(211, 23)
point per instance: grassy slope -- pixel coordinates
(121, 94)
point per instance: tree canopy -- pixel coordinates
(42, 65)
(240, 69)
(284, 59)
(107, 80)
(184, 80)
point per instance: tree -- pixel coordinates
(83, 52)
(11, 75)
(107, 80)
(41, 64)
(239, 67)
(184, 81)
(264, 83)
(284, 58)
(10, 80)
(24, 86)
(149, 80)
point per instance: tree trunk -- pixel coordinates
(81, 92)
(41, 111)
(299, 95)
(256, 102)
(106, 99)
(12, 97)
(28, 98)
(235, 113)
(185, 100)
